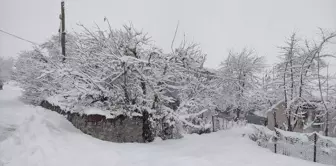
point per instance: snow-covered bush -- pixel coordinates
(120, 72)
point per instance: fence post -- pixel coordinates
(275, 139)
(275, 126)
(213, 123)
(315, 140)
(275, 145)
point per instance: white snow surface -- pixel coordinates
(33, 136)
(91, 111)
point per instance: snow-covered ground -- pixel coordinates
(33, 136)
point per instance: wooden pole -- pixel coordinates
(63, 30)
(315, 140)
(326, 131)
(275, 126)
(275, 142)
(213, 123)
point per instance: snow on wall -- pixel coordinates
(118, 129)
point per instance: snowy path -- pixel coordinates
(32, 136)
(12, 111)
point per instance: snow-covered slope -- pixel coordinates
(32, 136)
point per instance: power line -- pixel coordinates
(18, 37)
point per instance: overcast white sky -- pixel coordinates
(218, 25)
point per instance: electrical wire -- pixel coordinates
(18, 37)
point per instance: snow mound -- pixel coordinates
(44, 138)
(47, 139)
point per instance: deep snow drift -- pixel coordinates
(33, 136)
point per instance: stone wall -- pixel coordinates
(119, 129)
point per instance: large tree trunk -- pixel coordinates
(147, 130)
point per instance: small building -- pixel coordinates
(306, 121)
(276, 117)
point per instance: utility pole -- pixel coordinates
(63, 30)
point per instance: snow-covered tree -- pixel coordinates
(119, 71)
(299, 76)
(240, 78)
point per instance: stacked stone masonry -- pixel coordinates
(119, 129)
